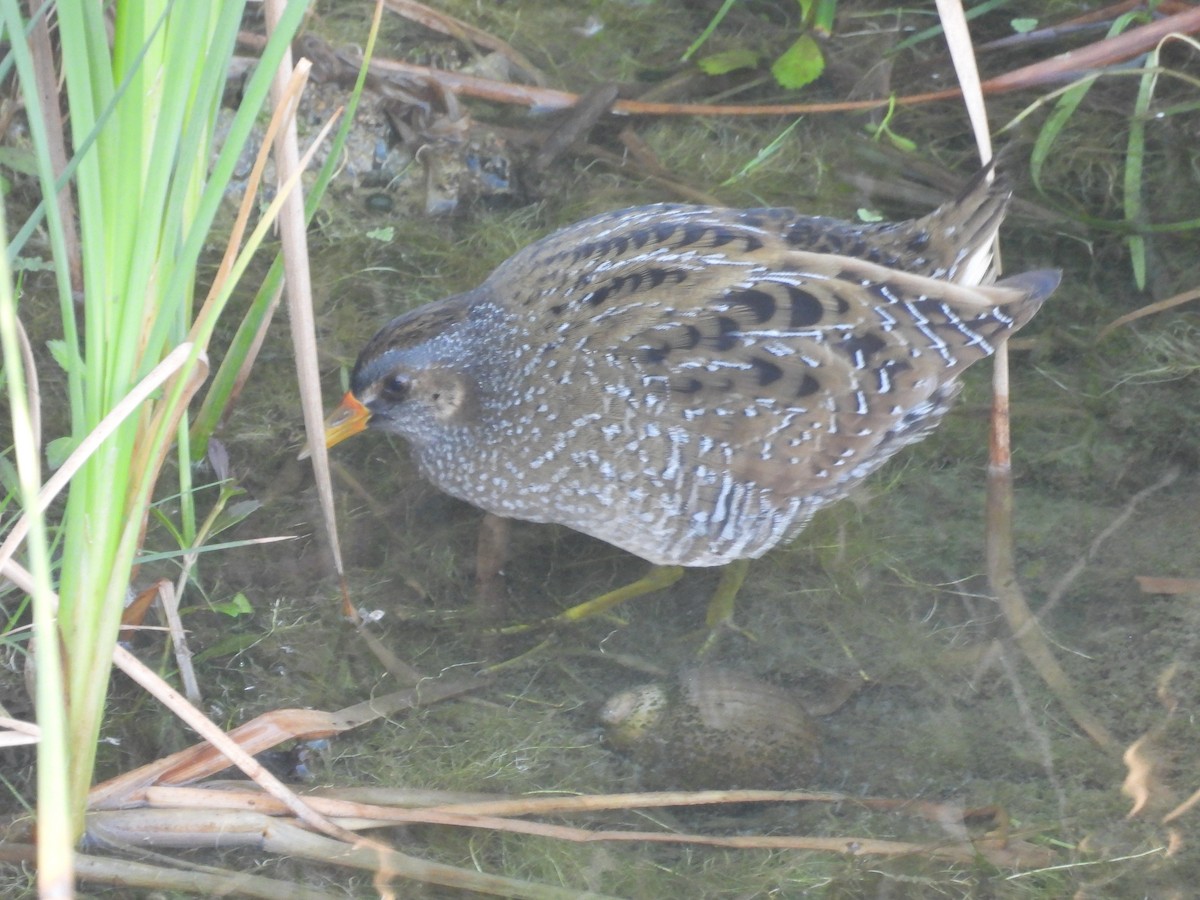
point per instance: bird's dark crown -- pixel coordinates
(379, 357)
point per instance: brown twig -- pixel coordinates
(1150, 309)
(498, 815)
(1056, 69)
(126, 873)
(1001, 566)
(1098, 55)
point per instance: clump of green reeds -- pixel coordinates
(137, 189)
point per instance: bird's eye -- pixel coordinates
(395, 389)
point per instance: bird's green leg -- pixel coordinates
(718, 619)
(720, 608)
(655, 580)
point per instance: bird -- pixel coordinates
(692, 383)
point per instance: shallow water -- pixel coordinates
(885, 591)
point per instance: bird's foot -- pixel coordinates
(656, 579)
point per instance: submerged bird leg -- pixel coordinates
(719, 617)
(720, 607)
(656, 579)
(490, 555)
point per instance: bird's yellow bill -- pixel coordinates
(346, 421)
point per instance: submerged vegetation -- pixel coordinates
(882, 603)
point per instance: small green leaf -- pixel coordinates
(728, 61)
(237, 605)
(801, 64)
(869, 215)
(58, 450)
(9, 479)
(65, 355)
(884, 130)
(1024, 26)
(900, 142)
(234, 514)
(383, 235)
(230, 645)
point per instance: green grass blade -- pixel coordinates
(54, 808)
(712, 26)
(1135, 159)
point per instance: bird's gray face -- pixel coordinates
(405, 392)
(416, 398)
(415, 402)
